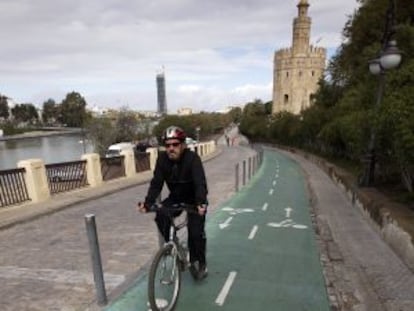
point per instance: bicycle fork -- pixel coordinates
(169, 264)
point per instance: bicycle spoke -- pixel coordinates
(164, 281)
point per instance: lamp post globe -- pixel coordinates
(375, 66)
(391, 57)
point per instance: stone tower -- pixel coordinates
(297, 69)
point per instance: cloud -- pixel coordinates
(109, 50)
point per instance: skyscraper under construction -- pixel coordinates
(162, 100)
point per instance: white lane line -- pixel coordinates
(270, 191)
(226, 223)
(226, 288)
(274, 183)
(253, 232)
(264, 208)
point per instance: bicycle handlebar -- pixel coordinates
(191, 208)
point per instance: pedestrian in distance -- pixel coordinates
(227, 139)
(183, 172)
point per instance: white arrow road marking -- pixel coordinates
(264, 207)
(288, 211)
(253, 232)
(270, 191)
(233, 211)
(286, 223)
(221, 298)
(226, 223)
(296, 226)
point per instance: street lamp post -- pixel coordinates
(389, 58)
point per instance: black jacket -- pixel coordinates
(185, 179)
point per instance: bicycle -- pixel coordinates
(164, 280)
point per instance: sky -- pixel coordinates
(214, 53)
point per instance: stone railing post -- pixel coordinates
(153, 157)
(129, 162)
(93, 169)
(36, 179)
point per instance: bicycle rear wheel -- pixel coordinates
(164, 280)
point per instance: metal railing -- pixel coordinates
(142, 161)
(66, 176)
(13, 188)
(113, 167)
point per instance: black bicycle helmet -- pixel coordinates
(174, 132)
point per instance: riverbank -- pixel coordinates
(41, 133)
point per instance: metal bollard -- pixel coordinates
(96, 259)
(237, 177)
(250, 169)
(254, 164)
(244, 172)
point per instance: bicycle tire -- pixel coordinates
(164, 280)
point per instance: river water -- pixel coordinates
(52, 149)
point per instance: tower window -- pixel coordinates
(313, 73)
(312, 98)
(287, 74)
(300, 73)
(286, 99)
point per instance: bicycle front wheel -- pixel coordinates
(164, 280)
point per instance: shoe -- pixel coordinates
(202, 272)
(194, 270)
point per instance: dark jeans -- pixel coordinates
(196, 234)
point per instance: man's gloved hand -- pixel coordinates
(202, 209)
(142, 207)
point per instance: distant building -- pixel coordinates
(297, 69)
(161, 94)
(227, 109)
(97, 111)
(185, 111)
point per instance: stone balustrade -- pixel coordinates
(37, 182)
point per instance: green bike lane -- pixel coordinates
(262, 252)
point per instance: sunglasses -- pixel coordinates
(172, 145)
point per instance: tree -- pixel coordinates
(235, 114)
(50, 111)
(4, 107)
(254, 122)
(101, 133)
(73, 110)
(25, 113)
(126, 126)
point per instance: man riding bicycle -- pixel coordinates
(183, 172)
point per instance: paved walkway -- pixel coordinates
(45, 262)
